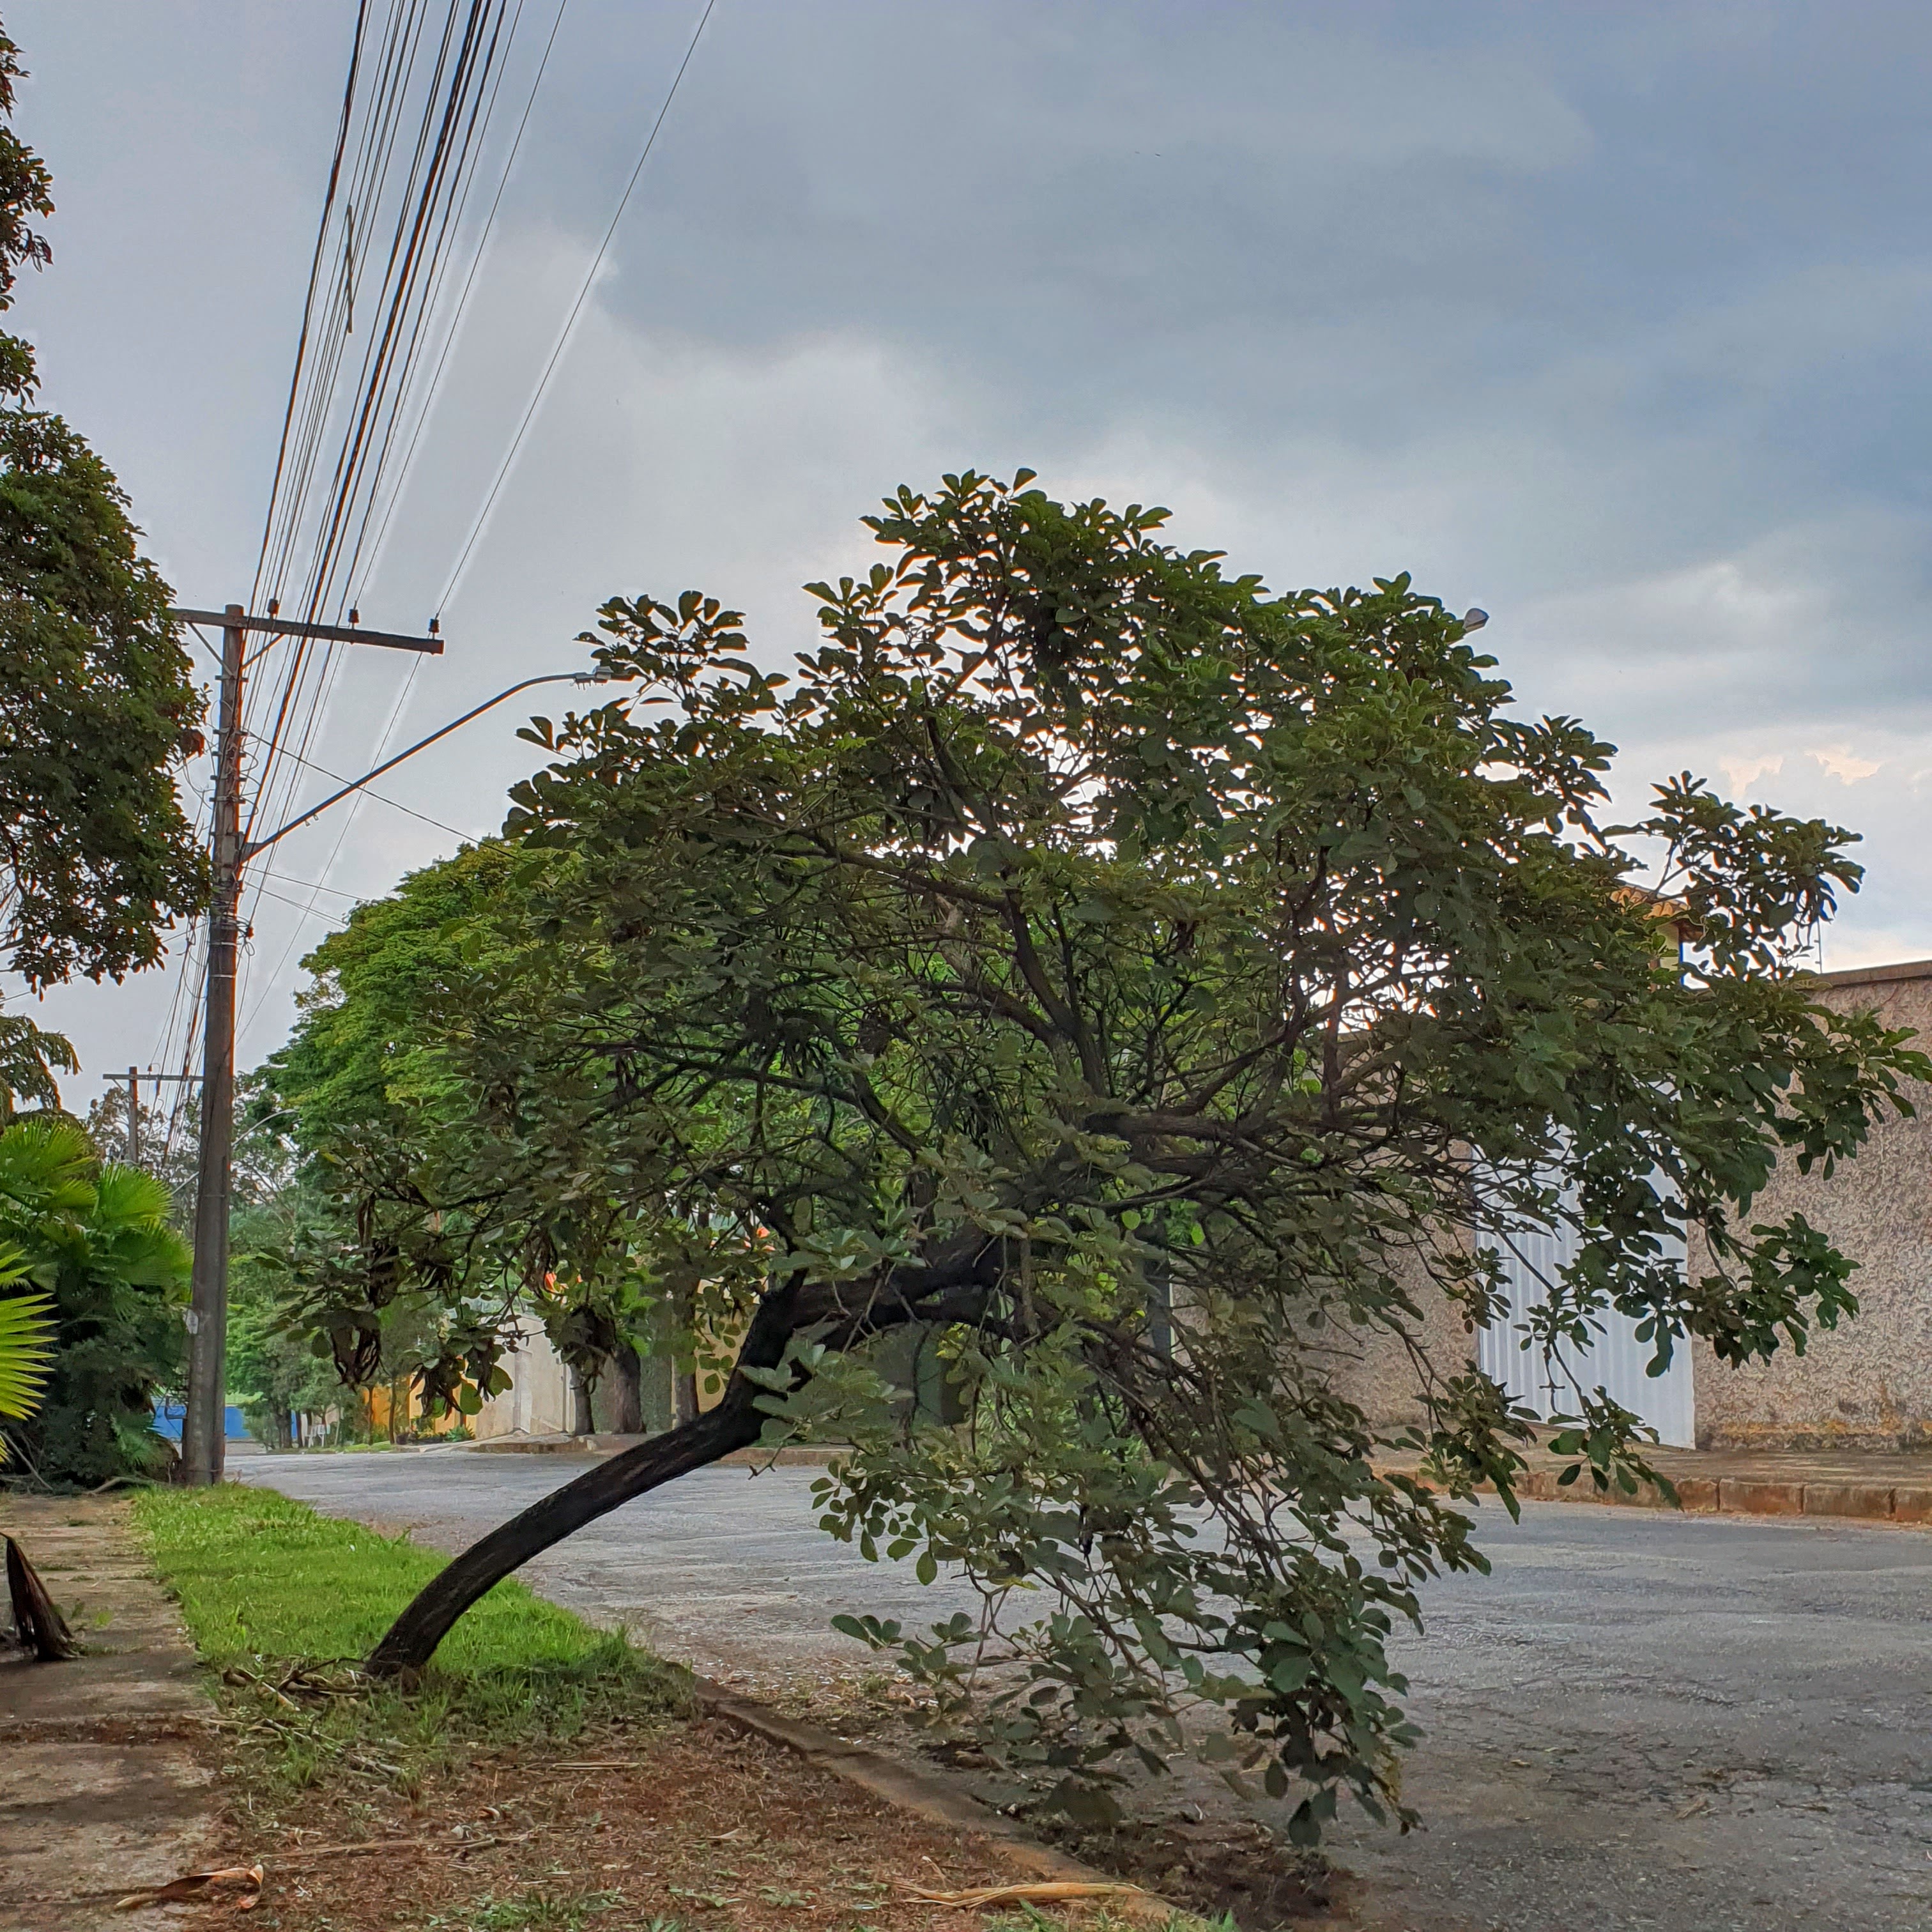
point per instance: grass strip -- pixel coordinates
(260, 1575)
(275, 1594)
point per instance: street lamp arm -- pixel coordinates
(256, 846)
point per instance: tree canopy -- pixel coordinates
(97, 710)
(1150, 988)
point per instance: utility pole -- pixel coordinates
(203, 1435)
(204, 1431)
(135, 1077)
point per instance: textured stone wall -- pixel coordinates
(1381, 1375)
(1867, 1384)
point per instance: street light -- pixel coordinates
(254, 846)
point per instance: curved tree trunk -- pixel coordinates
(735, 1424)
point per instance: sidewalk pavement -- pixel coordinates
(106, 1781)
(1868, 1487)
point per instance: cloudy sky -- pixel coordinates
(1611, 319)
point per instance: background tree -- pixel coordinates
(97, 710)
(368, 1082)
(30, 1058)
(1149, 989)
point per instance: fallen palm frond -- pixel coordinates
(1043, 1892)
(246, 1879)
(38, 1625)
(304, 1680)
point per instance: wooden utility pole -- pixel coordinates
(203, 1433)
(204, 1430)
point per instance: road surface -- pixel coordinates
(1638, 1721)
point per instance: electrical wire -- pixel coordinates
(335, 852)
(570, 321)
(446, 127)
(465, 76)
(423, 89)
(462, 306)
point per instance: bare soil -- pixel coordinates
(1214, 1866)
(694, 1826)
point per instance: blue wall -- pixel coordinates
(168, 1422)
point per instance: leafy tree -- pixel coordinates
(97, 706)
(29, 1059)
(1146, 987)
(366, 1085)
(272, 1371)
(94, 1237)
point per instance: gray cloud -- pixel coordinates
(1610, 319)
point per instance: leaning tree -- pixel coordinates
(1152, 991)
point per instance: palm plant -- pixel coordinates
(26, 1343)
(95, 1250)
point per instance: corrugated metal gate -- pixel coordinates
(1617, 1362)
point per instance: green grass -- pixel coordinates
(266, 1584)
(258, 1575)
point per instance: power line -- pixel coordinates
(312, 885)
(395, 804)
(570, 322)
(444, 139)
(348, 820)
(465, 76)
(463, 301)
(310, 908)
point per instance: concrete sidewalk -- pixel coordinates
(106, 1784)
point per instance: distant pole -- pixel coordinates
(134, 1116)
(203, 1426)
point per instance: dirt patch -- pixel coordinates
(1215, 1867)
(1211, 1864)
(695, 1826)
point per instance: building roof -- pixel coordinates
(1879, 976)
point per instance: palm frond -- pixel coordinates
(47, 1167)
(26, 1350)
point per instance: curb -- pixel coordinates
(1907, 1504)
(809, 1455)
(924, 1794)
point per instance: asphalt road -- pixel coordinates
(1636, 1721)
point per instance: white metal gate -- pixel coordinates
(1617, 1362)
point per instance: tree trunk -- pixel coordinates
(580, 1423)
(625, 1381)
(733, 1424)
